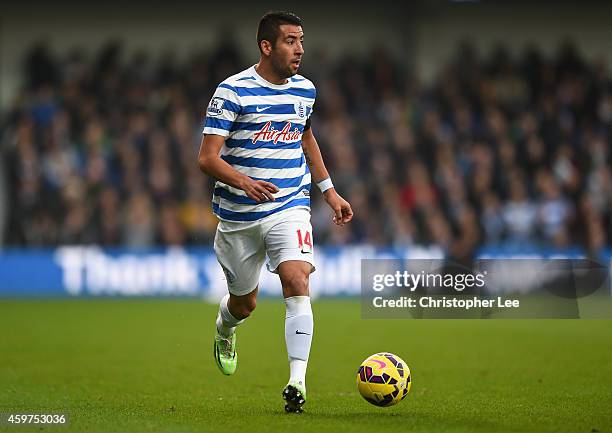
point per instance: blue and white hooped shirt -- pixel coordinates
(263, 125)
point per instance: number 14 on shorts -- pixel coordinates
(304, 241)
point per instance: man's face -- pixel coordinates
(288, 50)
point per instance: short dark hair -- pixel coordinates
(269, 24)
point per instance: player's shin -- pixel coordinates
(226, 322)
(298, 336)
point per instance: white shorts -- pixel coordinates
(241, 248)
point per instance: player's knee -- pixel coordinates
(241, 307)
(296, 283)
(250, 304)
(245, 307)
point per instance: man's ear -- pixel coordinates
(266, 47)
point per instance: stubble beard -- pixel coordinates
(283, 71)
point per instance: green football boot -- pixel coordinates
(225, 353)
(294, 395)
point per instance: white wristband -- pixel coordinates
(325, 184)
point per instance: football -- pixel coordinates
(384, 379)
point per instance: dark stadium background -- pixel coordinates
(457, 124)
(456, 129)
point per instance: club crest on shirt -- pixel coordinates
(300, 109)
(215, 107)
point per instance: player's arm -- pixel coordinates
(211, 163)
(342, 209)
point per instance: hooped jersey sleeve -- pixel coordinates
(222, 111)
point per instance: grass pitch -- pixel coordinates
(147, 366)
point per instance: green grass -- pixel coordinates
(147, 366)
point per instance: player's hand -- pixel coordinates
(258, 190)
(342, 209)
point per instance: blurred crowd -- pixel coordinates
(497, 150)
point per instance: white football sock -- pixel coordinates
(226, 323)
(298, 335)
